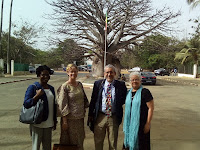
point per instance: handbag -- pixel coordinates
(33, 115)
(64, 147)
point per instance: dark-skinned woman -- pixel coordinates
(42, 133)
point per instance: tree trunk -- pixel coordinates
(98, 69)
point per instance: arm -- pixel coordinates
(62, 100)
(86, 102)
(63, 107)
(93, 100)
(150, 105)
(32, 96)
(124, 92)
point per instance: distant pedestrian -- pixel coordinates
(139, 108)
(72, 103)
(42, 133)
(123, 78)
(105, 110)
(175, 71)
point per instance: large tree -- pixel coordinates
(128, 22)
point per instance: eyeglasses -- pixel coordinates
(136, 80)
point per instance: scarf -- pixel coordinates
(132, 119)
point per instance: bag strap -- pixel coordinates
(35, 86)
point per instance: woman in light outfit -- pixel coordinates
(139, 108)
(72, 103)
(42, 133)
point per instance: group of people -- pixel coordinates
(105, 110)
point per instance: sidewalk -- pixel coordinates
(11, 79)
(182, 80)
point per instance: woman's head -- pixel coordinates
(72, 71)
(44, 73)
(135, 79)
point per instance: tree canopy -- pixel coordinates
(128, 22)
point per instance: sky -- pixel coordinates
(33, 11)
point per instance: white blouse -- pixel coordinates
(49, 122)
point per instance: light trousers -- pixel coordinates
(41, 135)
(104, 124)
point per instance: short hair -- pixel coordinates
(135, 73)
(110, 66)
(42, 68)
(69, 66)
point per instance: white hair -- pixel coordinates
(135, 73)
(110, 66)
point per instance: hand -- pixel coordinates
(39, 92)
(54, 127)
(146, 128)
(64, 125)
(90, 119)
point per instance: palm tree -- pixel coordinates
(194, 2)
(191, 52)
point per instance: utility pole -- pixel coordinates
(8, 50)
(106, 22)
(1, 50)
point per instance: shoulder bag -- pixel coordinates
(33, 115)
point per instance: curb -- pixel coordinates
(17, 81)
(171, 80)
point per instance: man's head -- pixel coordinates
(109, 72)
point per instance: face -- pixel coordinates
(109, 74)
(44, 76)
(72, 73)
(135, 82)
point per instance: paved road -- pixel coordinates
(175, 124)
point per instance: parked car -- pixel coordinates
(136, 69)
(148, 78)
(82, 68)
(31, 69)
(161, 72)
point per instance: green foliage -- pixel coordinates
(128, 60)
(155, 51)
(190, 53)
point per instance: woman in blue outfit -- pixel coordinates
(139, 108)
(42, 133)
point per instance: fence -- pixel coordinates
(21, 67)
(187, 69)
